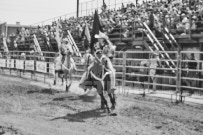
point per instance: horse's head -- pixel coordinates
(67, 49)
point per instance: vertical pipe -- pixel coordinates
(6, 34)
(81, 9)
(178, 84)
(77, 14)
(201, 64)
(124, 71)
(86, 8)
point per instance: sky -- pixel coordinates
(28, 12)
(35, 12)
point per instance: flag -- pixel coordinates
(58, 38)
(86, 34)
(96, 28)
(3, 29)
(151, 21)
(5, 47)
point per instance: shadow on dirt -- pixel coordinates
(86, 98)
(81, 116)
(43, 91)
(83, 98)
(64, 98)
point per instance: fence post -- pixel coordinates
(124, 71)
(178, 84)
(149, 77)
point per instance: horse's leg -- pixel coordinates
(66, 78)
(113, 100)
(55, 78)
(62, 79)
(103, 101)
(70, 78)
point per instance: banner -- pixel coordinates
(20, 64)
(10, 63)
(5, 45)
(41, 66)
(2, 63)
(29, 65)
(51, 68)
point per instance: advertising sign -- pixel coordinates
(51, 68)
(20, 64)
(2, 63)
(29, 65)
(41, 66)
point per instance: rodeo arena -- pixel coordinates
(113, 67)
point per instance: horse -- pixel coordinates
(66, 68)
(99, 77)
(87, 59)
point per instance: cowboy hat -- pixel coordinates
(100, 35)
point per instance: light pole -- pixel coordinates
(77, 14)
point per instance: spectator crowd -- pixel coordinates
(178, 15)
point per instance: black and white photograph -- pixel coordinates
(101, 67)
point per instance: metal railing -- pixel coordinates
(134, 71)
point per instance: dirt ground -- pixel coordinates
(27, 109)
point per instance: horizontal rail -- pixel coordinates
(191, 79)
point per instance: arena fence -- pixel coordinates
(41, 67)
(135, 70)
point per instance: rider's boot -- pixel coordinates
(113, 104)
(102, 105)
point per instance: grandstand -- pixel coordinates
(148, 26)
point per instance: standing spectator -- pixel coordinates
(192, 65)
(154, 62)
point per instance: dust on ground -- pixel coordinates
(27, 109)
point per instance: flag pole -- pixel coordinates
(77, 14)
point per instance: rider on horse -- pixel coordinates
(65, 49)
(100, 72)
(108, 50)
